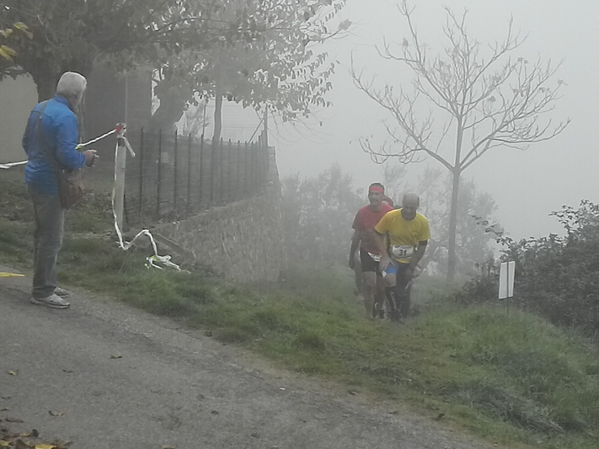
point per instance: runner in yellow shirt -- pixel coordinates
(402, 236)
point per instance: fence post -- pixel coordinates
(141, 177)
(188, 204)
(212, 169)
(159, 174)
(175, 177)
(238, 171)
(246, 174)
(228, 173)
(255, 170)
(265, 160)
(201, 171)
(221, 172)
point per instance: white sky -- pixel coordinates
(527, 186)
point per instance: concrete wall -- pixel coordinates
(17, 97)
(242, 241)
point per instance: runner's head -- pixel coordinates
(376, 193)
(409, 205)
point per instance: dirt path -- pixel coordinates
(114, 377)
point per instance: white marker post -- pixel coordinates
(507, 271)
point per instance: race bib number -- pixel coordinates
(402, 251)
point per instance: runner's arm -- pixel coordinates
(381, 244)
(355, 242)
(417, 256)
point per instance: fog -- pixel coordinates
(526, 185)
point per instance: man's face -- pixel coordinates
(408, 210)
(375, 198)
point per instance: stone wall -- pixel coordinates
(242, 241)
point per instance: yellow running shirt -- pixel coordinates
(404, 235)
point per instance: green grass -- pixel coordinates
(507, 376)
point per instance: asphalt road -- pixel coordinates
(103, 375)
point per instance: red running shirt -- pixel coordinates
(365, 220)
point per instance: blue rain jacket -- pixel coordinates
(58, 135)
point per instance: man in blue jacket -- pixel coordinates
(50, 138)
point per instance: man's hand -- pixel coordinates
(90, 157)
(384, 262)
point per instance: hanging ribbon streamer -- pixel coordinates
(155, 260)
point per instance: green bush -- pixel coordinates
(557, 277)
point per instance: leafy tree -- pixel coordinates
(75, 34)
(484, 97)
(12, 34)
(317, 216)
(206, 47)
(278, 68)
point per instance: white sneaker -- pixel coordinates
(54, 301)
(62, 292)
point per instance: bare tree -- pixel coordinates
(479, 96)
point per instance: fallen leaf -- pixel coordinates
(116, 356)
(352, 392)
(69, 371)
(13, 372)
(45, 446)
(167, 446)
(4, 443)
(55, 413)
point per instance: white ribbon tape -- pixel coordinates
(8, 165)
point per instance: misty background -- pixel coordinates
(526, 185)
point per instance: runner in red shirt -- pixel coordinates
(372, 287)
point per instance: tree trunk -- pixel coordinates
(173, 96)
(218, 116)
(453, 220)
(46, 74)
(168, 114)
(45, 81)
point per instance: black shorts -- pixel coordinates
(367, 262)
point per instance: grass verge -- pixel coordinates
(509, 377)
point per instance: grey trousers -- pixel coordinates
(47, 241)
